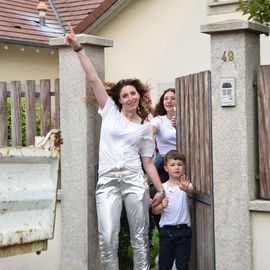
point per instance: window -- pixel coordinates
(222, 6)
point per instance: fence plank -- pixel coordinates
(192, 173)
(182, 115)
(187, 127)
(264, 129)
(45, 106)
(204, 236)
(207, 132)
(197, 132)
(30, 112)
(57, 103)
(16, 113)
(3, 115)
(202, 131)
(178, 115)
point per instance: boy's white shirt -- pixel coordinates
(177, 211)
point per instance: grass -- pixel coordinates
(155, 249)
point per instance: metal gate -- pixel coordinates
(193, 93)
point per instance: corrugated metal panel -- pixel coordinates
(28, 187)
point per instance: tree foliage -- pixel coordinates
(258, 10)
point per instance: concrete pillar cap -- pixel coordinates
(83, 39)
(234, 25)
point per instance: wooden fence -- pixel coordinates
(33, 99)
(264, 129)
(31, 104)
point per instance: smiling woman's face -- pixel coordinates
(169, 101)
(129, 98)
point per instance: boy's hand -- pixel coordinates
(165, 203)
(184, 183)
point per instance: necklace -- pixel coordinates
(171, 189)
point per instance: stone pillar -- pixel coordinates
(235, 52)
(80, 126)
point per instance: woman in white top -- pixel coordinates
(163, 125)
(125, 138)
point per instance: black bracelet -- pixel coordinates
(79, 48)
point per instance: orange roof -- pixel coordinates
(19, 19)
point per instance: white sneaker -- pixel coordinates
(156, 260)
(174, 267)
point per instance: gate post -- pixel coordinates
(235, 53)
(80, 127)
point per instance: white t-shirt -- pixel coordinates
(177, 211)
(121, 141)
(166, 134)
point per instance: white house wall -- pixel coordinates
(261, 240)
(28, 64)
(158, 40)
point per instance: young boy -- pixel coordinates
(175, 225)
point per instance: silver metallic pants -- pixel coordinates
(113, 189)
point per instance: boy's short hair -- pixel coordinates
(173, 154)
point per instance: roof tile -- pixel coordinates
(19, 19)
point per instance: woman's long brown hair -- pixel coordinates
(114, 89)
(159, 108)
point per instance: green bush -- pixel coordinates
(23, 121)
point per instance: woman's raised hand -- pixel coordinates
(71, 39)
(96, 83)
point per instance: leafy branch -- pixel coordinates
(258, 10)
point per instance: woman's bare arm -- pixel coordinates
(96, 84)
(154, 129)
(151, 171)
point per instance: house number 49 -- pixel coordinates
(227, 56)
